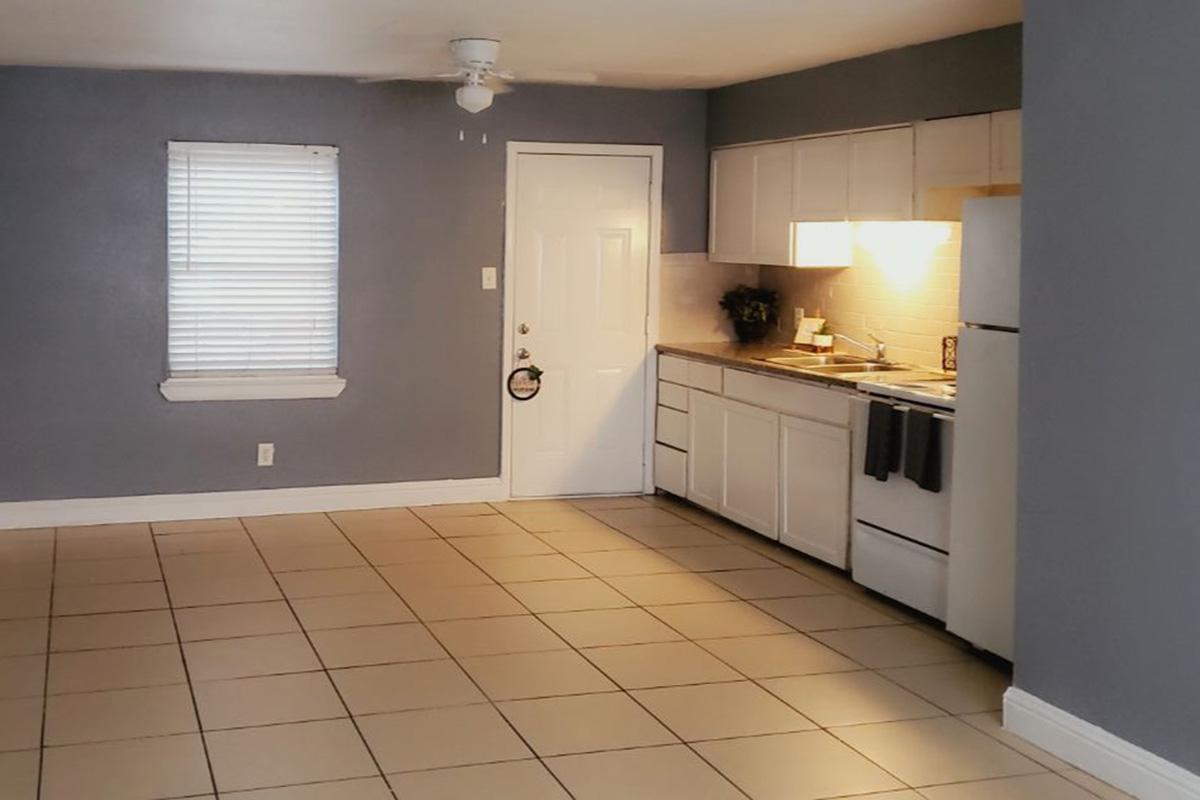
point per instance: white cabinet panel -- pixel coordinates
(773, 203)
(706, 450)
(731, 206)
(704, 376)
(820, 179)
(788, 396)
(951, 155)
(671, 428)
(672, 396)
(881, 175)
(673, 369)
(670, 470)
(751, 467)
(954, 151)
(815, 488)
(1006, 147)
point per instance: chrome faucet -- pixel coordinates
(879, 347)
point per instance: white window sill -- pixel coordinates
(271, 387)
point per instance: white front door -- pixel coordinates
(581, 259)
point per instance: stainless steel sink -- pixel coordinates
(808, 362)
(848, 369)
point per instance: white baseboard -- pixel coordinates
(251, 503)
(1110, 758)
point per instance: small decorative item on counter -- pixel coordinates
(751, 310)
(823, 338)
(950, 353)
(806, 328)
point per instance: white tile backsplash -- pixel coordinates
(690, 291)
(910, 302)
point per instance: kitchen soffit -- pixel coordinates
(710, 42)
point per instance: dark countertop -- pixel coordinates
(750, 357)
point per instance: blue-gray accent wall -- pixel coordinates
(1109, 509)
(969, 74)
(83, 273)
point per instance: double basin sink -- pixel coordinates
(850, 368)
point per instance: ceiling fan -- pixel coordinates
(475, 59)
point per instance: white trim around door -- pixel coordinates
(1093, 749)
(655, 154)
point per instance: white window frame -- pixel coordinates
(253, 385)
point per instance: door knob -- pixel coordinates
(522, 328)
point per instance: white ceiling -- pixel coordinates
(642, 43)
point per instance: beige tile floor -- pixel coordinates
(602, 648)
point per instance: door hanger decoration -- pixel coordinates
(524, 382)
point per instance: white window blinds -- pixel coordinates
(253, 244)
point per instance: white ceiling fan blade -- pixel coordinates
(557, 76)
(497, 85)
(444, 76)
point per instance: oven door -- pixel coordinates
(898, 505)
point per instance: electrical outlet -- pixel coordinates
(488, 276)
(797, 316)
(266, 454)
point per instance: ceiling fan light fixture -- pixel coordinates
(473, 97)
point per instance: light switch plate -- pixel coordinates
(488, 276)
(266, 454)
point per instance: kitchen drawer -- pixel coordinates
(697, 374)
(706, 377)
(789, 396)
(670, 470)
(673, 369)
(899, 569)
(672, 396)
(671, 428)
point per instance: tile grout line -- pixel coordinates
(580, 651)
(187, 674)
(317, 654)
(46, 665)
(828, 730)
(424, 624)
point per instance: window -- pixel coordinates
(252, 237)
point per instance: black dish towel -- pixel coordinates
(884, 434)
(923, 450)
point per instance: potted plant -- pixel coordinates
(823, 338)
(752, 311)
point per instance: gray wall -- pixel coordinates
(83, 273)
(968, 74)
(1109, 545)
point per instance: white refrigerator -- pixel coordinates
(983, 507)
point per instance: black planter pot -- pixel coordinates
(748, 332)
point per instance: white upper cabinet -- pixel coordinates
(731, 206)
(773, 203)
(881, 175)
(751, 204)
(1006, 147)
(821, 179)
(951, 153)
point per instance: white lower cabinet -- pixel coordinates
(784, 475)
(751, 485)
(670, 469)
(706, 450)
(814, 481)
